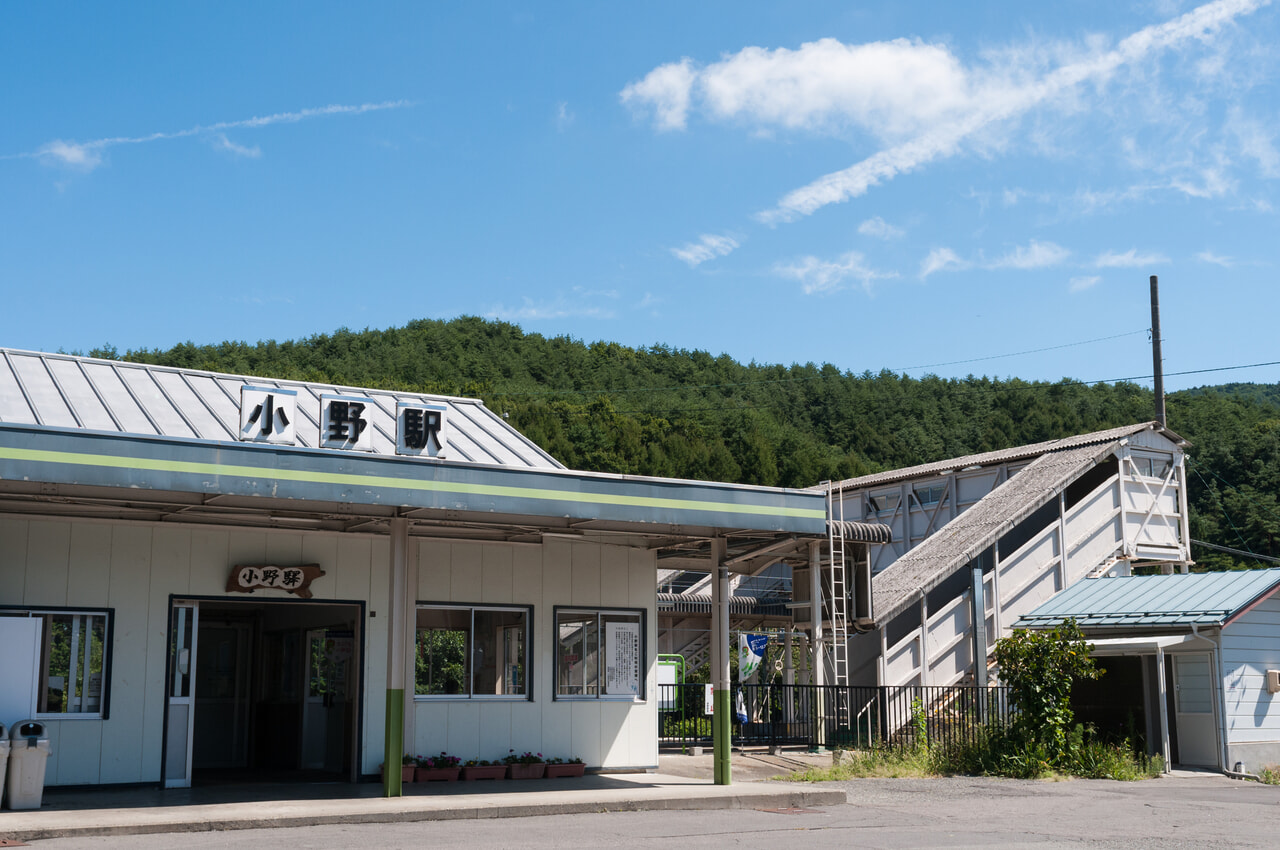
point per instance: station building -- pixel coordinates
(218, 575)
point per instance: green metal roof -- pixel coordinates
(1202, 599)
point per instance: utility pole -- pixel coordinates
(1155, 351)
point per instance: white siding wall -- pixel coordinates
(603, 733)
(1250, 647)
(133, 568)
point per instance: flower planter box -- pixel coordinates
(484, 771)
(561, 771)
(436, 774)
(406, 773)
(526, 771)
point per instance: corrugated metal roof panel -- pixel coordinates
(43, 394)
(60, 390)
(13, 401)
(125, 410)
(1163, 600)
(88, 407)
(1004, 455)
(966, 536)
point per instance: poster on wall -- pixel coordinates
(622, 658)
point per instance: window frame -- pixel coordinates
(103, 711)
(599, 612)
(472, 608)
(877, 503)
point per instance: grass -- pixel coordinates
(871, 764)
(992, 756)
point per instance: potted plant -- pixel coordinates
(408, 764)
(558, 768)
(527, 766)
(441, 768)
(483, 769)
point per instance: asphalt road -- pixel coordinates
(1178, 812)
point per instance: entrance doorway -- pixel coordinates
(262, 691)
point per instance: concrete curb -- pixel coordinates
(211, 818)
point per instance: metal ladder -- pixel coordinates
(838, 589)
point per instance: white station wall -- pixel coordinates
(603, 733)
(132, 568)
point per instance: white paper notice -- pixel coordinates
(622, 658)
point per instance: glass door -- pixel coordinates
(179, 728)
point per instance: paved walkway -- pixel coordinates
(140, 811)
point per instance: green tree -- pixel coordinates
(1039, 667)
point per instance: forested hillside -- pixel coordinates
(671, 412)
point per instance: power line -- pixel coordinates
(1020, 353)
(1231, 551)
(797, 379)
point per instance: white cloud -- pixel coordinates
(817, 275)
(665, 91)
(1036, 255)
(579, 303)
(1215, 259)
(708, 247)
(917, 98)
(1256, 141)
(1130, 259)
(564, 117)
(88, 155)
(878, 228)
(58, 152)
(1080, 284)
(221, 142)
(942, 260)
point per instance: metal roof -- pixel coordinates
(700, 603)
(861, 532)
(1202, 599)
(1002, 456)
(64, 391)
(981, 525)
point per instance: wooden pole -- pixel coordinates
(1155, 350)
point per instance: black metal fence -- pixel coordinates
(833, 716)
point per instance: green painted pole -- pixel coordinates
(393, 743)
(722, 730)
(399, 622)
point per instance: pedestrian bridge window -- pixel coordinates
(74, 650)
(466, 652)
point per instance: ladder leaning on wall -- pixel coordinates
(837, 588)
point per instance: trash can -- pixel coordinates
(28, 753)
(4, 760)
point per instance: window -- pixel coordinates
(73, 662)
(600, 654)
(471, 651)
(930, 495)
(1152, 467)
(883, 502)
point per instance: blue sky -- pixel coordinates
(915, 186)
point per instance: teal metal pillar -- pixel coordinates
(397, 646)
(722, 719)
